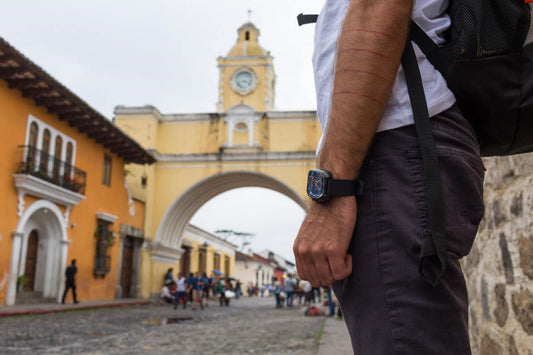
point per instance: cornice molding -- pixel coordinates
(107, 217)
(33, 186)
(234, 156)
(162, 253)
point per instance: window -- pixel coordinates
(104, 239)
(216, 261)
(68, 160)
(241, 127)
(32, 142)
(57, 157)
(201, 260)
(247, 35)
(34, 131)
(226, 265)
(106, 177)
(45, 151)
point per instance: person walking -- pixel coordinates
(290, 284)
(197, 286)
(277, 294)
(70, 281)
(181, 291)
(190, 287)
(238, 289)
(205, 288)
(373, 246)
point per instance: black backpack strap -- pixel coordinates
(433, 247)
(305, 19)
(435, 54)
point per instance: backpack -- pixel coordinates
(485, 56)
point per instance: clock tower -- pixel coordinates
(246, 74)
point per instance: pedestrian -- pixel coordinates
(225, 286)
(331, 304)
(166, 295)
(300, 291)
(197, 287)
(190, 286)
(70, 281)
(263, 288)
(277, 294)
(373, 246)
(290, 284)
(212, 285)
(181, 291)
(238, 290)
(205, 288)
(169, 276)
(308, 292)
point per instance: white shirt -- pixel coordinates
(430, 16)
(165, 292)
(180, 283)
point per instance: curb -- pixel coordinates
(72, 308)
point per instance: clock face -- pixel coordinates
(315, 185)
(244, 80)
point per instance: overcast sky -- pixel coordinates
(163, 53)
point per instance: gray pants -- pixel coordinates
(387, 306)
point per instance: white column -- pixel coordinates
(231, 127)
(118, 285)
(251, 133)
(13, 268)
(22, 254)
(62, 266)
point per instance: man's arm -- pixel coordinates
(368, 55)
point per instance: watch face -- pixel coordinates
(244, 80)
(316, 184)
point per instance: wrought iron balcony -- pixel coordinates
(47, 167)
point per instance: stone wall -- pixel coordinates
(499, 270)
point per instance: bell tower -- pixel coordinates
(246, 74)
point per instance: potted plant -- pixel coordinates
(21, 281)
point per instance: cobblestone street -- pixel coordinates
(247, 326)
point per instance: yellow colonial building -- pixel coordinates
(244, 143)
(64, 193)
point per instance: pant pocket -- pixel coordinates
(462, 186)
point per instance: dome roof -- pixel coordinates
(247, 44)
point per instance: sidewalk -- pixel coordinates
(335, 338)
(43, 308)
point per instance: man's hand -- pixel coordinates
(322, 242)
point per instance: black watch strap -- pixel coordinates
(345, 187)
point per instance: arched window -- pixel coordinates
(241, 127)
(57, 157)
(46, 141)
(247, 36)
(34, 132)
(68, 159)
(45, 151)
(32, 142)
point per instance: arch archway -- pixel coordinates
(180, 212)
(46, 219)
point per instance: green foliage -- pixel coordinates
(235, 237)
(104, 236)
(21, 280)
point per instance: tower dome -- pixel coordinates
(247, 44)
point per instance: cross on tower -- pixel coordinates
(249, 15)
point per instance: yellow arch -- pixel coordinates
(180, 212)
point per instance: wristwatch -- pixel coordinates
(321, 186)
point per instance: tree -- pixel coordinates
(242, 238)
